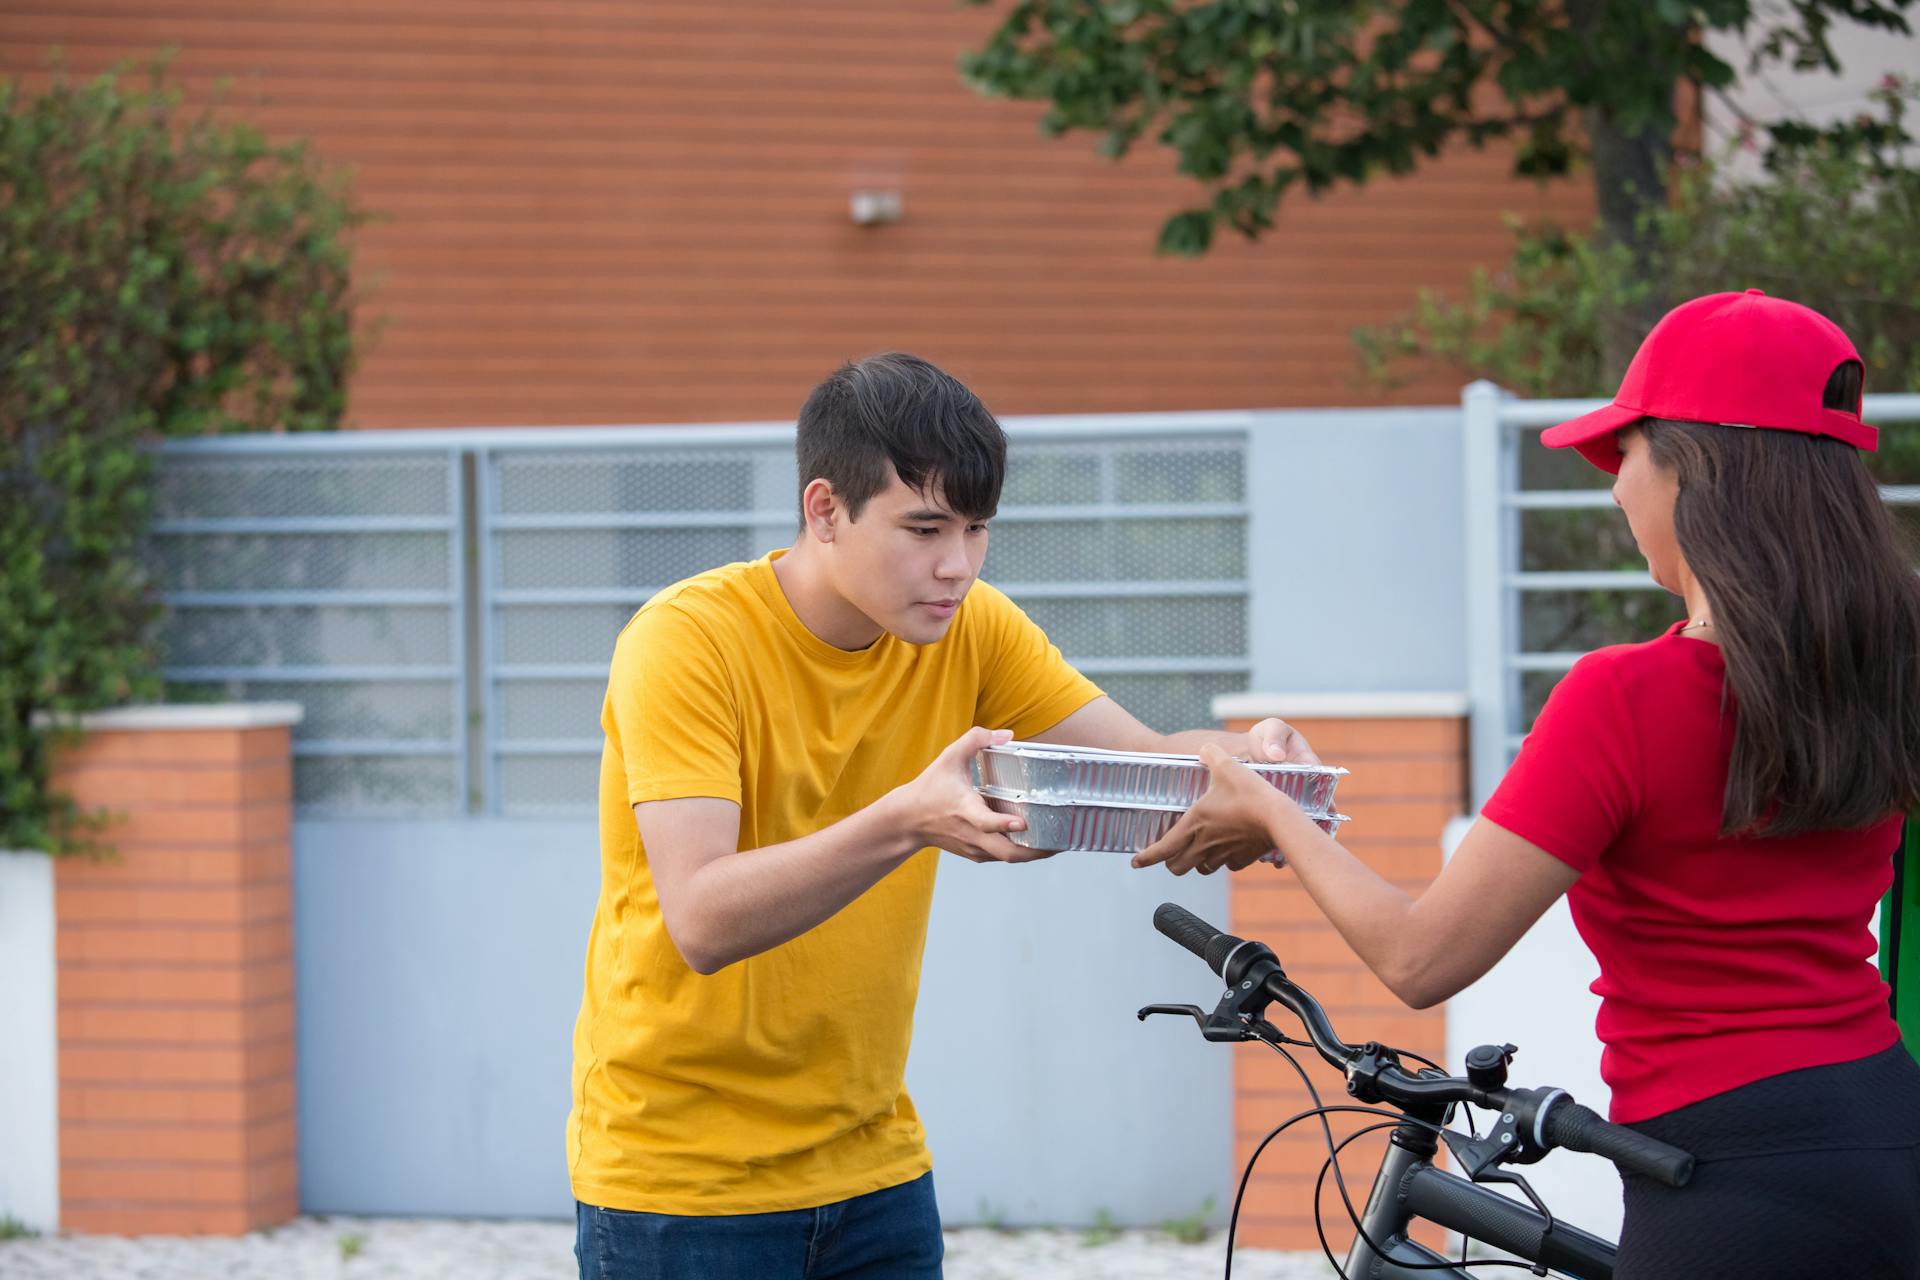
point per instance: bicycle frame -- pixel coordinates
(1409, 1187)
(1533, 1121)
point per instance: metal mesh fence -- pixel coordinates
(446, 611)
(332, 579)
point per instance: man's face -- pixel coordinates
(907, 561)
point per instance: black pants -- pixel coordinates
(1813, 1173)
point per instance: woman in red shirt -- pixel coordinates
(1720, 805)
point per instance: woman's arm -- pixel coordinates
(1423, 948)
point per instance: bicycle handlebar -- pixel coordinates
(1579, 1128)
(1187, 929)
(1548, 1117)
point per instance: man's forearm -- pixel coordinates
(1269, 740)
(741, 904)
(1104, 723)
(1189, 741)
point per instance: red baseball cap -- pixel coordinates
(1738, 359)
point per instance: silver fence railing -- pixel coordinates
(1516, 603)
(444, 602)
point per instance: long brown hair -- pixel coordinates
(1817, 607)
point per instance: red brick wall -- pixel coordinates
(175, 981)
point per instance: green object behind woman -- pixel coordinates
(1900, 937)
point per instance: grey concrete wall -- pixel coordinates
(439, 968)
(440, 962)
(29, 1044)
(1046, 1100)
(1356, 551)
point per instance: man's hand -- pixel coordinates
(1229, 826)
(1274, 741)
(941, 808)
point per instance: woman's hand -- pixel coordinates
(1229, 826)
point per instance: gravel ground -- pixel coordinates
(439, 1249)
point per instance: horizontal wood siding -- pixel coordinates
(595, 211)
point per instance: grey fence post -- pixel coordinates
(1488, 451)
(486, 507)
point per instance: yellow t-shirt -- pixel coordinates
(775, 1083)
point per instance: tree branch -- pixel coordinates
(1505, 38)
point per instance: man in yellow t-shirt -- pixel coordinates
(787, 747)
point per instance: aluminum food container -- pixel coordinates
(1098, 828)
(1077, 775)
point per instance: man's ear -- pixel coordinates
(820, 509)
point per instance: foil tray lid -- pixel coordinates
(1101, 755)
(1068, 774)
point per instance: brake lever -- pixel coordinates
(1478, 1155)
(1480, 1160)
(1221, 1025)
(1182, 1010)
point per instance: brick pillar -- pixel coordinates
(175, 975)
(1407, 757)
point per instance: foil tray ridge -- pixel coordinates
(1099, 828)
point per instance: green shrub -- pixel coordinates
(160, 275)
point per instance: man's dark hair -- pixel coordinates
(898, 412)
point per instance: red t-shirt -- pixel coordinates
(1722, 961)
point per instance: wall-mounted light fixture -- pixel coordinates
(874, 206)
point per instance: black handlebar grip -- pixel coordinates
(1577, 1128)
(1185, 928)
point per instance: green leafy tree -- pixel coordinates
(1261, 97)
(160, 275)
(1828, 222)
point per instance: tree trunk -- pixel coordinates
(1630, 183)
(1630, 180)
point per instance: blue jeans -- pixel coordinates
(885, 1235)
